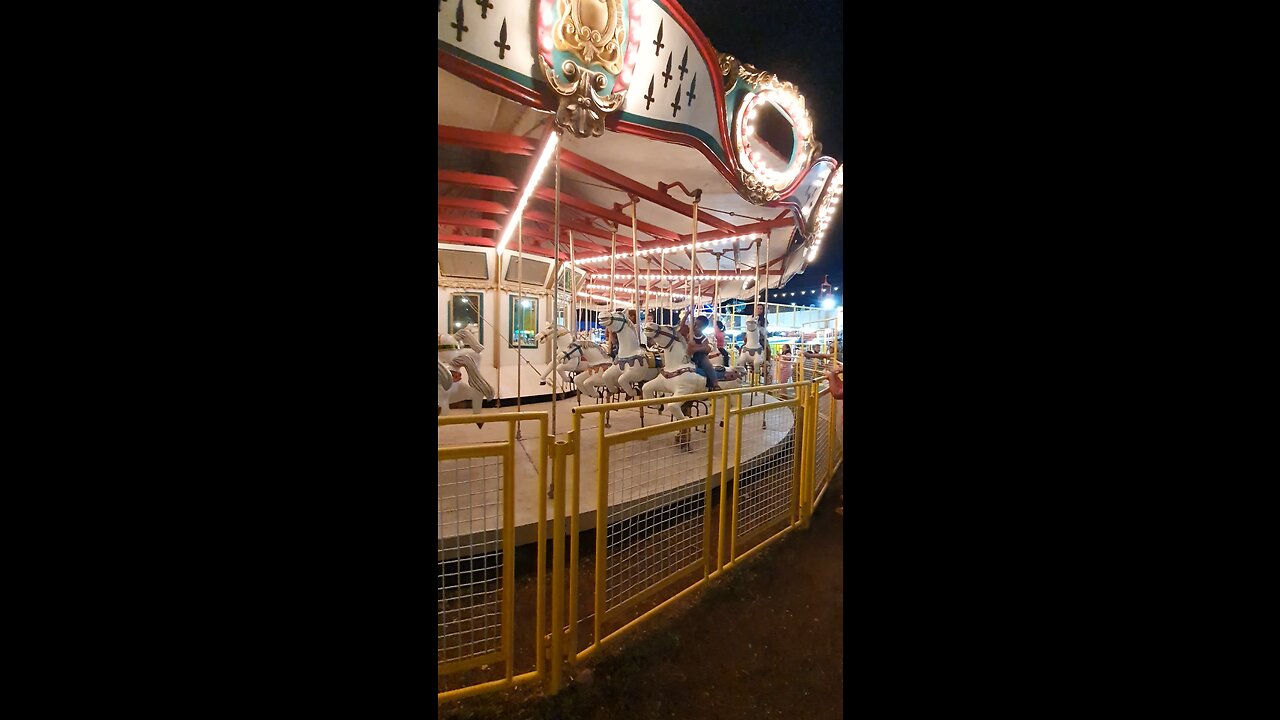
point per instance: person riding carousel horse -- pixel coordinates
(699, 349)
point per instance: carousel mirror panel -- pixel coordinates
(524, 321)
(527, 271)
(464, 309)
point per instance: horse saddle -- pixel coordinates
(729, 375)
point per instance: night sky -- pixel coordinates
(802, 42)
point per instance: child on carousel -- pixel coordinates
(699, 348)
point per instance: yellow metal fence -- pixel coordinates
(677, 502)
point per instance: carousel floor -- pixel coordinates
(460, 513)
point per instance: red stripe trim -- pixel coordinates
(479, 76)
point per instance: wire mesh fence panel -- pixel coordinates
(656, 514)
(821, 474)
(839, 420)
(470, 561)
(767, 476)
(816, 368)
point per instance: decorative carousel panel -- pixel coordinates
(496, 35)
(672, 82)
(586, 51)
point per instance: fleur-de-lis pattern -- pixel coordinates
(466, 28)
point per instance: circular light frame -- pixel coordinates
(792, 107)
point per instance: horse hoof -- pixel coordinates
(480, 425)
(542, 383)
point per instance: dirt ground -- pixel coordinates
(764, 640)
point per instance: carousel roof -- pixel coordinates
(497, 160)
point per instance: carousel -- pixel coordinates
(611, 188)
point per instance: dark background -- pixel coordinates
(802, 42)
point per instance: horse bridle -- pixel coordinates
(660, 330)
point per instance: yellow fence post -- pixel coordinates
(509, 550)
(706, 498)
(812, 485)
(801, 447)
(540, 617)
(557, 564)
(575, 443)
(723, 525)
(737, 479)
(602, 524)
(831, 435)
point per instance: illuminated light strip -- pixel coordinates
(826, 210)
(605, 298)
(552, 138)
(593, 286)
(670, 249)
(675, 278)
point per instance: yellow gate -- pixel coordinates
(475, 551)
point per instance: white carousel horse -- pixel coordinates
(445, 383)
(593, 365)
(461, 351)
(633, 366)
(581, 355)
(559, 362)
(753, 351)
(677, 377)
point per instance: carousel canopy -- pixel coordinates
(743, 162)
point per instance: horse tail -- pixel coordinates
(474, 378)
(446, 377)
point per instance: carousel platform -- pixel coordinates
(455, 511)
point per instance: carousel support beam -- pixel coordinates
(759, 227)
(476, 180)
(500, 184)
(467, 221)
(606, 214)
(533, 232)
(486, 242)
(516, 145)
(657, 196)
(485, 206)
(485, 140)
(578, 227)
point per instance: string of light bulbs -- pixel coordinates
(671, 249)
(674, 278)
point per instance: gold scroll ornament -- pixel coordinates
(594, 30)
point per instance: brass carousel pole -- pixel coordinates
(764, 323)
(573, 296)
(693, 259)
(555, 296)
(519, 344)
(671, 289)
(497, 340)
(613, 265)
(635, 267)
